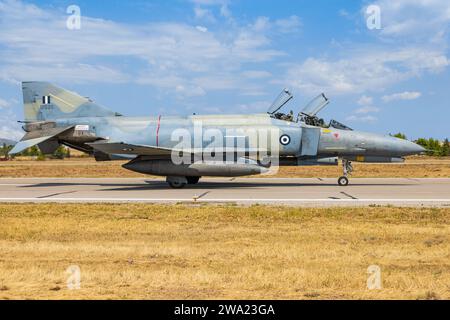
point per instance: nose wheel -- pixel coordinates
(347, 170)
(343, 181)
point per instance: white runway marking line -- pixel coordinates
(217, 200)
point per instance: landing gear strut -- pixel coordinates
(347, 169)
(193, 180)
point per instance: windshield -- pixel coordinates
(338, 125)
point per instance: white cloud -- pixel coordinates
(76, 72)
(4, 104)
(256, 74)
(225, 11)
(165, 55)
(261, 24)
(291, 24)
(362, 114)
(343, 13)
(246, 42)
(365, 101)
(412, 44)
(367, 118)
(190, 91)
(254, 107)
(9, 128)
(204, 14)
(344, 76)
(201, 29)
(366, 69)
(181, 87)
(402, 96)
(288, 25)
(367, 109)
(223, 4)
(10, 132)
(420, 19)
(209, 2)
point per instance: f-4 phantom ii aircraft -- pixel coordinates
(184, 149)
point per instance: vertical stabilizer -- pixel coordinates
(44, 101)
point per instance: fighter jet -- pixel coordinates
(184, 149)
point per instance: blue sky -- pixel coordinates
(226, 56)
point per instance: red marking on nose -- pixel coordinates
(336, 135)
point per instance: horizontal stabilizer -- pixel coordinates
(23, 145)
(37, 137)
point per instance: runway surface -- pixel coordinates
(297, 192)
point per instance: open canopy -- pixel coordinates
(283, 98)
(317, 104)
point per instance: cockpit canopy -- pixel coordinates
(308, 115)
(283, 98)
(316, 104)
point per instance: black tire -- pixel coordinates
(193, 180)
(343, 181)
(177, 185)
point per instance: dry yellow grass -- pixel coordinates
(198, 252)
(82, 167)
(415, 167)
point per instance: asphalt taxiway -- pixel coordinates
(278, 191)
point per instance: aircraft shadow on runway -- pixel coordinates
(162, 185)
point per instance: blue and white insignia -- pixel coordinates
(285, 140)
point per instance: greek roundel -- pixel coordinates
(285, 140)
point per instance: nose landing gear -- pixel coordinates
(347, 169)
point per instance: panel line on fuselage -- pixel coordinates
(157, 131)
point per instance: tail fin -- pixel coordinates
(44, 101)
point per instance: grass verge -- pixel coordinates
(134, 251)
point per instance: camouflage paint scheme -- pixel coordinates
(53, 116)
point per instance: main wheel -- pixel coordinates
(343, 181)
(193, 180)
(176, 184)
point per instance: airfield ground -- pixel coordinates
(201, 251)
(136, 251)
(414, 167)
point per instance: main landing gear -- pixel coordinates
(193, 180)
(181, 182)
(347, 169)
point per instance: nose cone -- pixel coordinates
(406, 148)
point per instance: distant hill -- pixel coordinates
(7, 142)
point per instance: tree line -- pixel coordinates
(60, 153)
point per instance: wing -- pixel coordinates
(122, 148)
